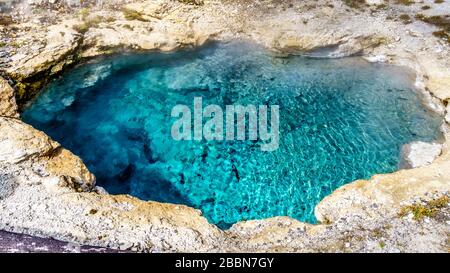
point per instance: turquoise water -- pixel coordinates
(340, 120)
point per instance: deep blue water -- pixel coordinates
(341, 120)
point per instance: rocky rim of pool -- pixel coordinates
(47, 191)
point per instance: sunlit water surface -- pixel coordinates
(341, 120)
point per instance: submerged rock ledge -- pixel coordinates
(47, 191)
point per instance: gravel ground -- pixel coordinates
(19, 243)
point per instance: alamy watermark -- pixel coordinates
(236, 117)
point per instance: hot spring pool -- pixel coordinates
(340, 120)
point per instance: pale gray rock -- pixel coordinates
(418, 154)
(447, 116)
(375, 2)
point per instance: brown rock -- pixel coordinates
(8, 106)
